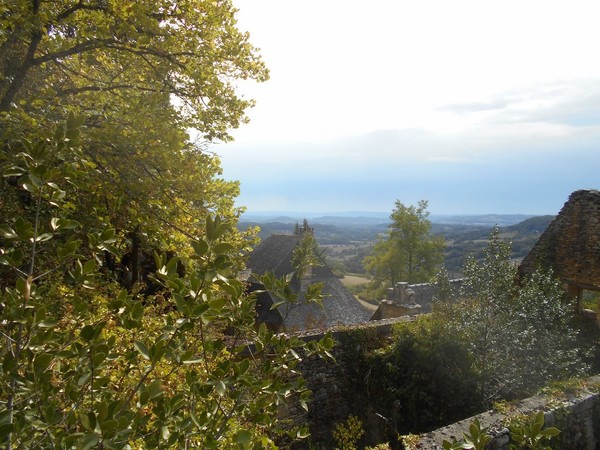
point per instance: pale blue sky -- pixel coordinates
(476, 106)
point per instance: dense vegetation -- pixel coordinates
(494, 340)
(123, 322)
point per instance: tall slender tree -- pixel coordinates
(408, 252)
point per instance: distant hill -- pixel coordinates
(490, 220)
(367, 219)
(248, 218)
(343, 230)
(464, 241)
(465, 235)
(531, 225)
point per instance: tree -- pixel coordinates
(408, 253)
(141, 74)
(519, 336)
(488, 292)
(72, 52)
(87, 365)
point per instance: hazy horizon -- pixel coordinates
(298, 215)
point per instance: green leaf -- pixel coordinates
(42, 361)
(87, 332)
(155, 389)
(88, 420)
(5, 430)
(142, 349)
(30, 188)
(223, 247)
(220, 387)
(200, 247)
(7, 232)
(43, 237)
(9, 363)
(74, 122)
(243, 437)
(218, 304)
(550, 432)
(14, 171)
(89, 266)
(88, 441)
(193, 361)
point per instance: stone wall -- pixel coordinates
(328, 380)
(410, 299)
(422, 294)
(571, 244)
(578, 419)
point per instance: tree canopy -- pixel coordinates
(141, 74)
(520, 336)
(90, 357)
(408, 252)
(111, 52)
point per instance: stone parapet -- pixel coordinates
(578, 419)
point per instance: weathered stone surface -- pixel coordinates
(570, 246)
(577, 419)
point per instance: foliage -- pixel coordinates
(348, 433)
(287, 292)
(527, 433)
(562, 389)
(85, 364)
(408, 253)
(476, 439)
(142, 74)
(483, 316)
(530, 434)
(409, 441)
(383, 446)
(287, 296)
(518, 337)
(74, 52)
(306, 255)
(422, 381)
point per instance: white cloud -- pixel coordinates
(343, 68)
(402, 96)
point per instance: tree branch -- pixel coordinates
(76, 7)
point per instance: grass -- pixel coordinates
(354, 280)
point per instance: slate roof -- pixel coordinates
(339, 305)
(274, 254)
(339, 308)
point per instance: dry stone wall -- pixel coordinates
(578, 419)
(571, 244)
(411, 299)
(329, 379)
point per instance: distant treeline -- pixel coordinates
(463, 239)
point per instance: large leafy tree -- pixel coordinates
(85, 365)
(408, 252)
(70, 51)
(141, 74)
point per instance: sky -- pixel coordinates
(475, 106)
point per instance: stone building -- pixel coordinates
(339, 305)
(570, 246)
